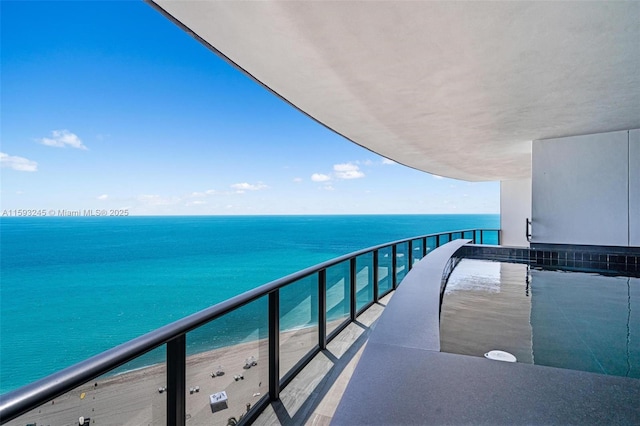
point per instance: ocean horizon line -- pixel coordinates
(244, 215)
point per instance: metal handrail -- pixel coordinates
(28, 397)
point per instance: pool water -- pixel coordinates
(573, 320)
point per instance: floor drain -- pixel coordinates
(500, 356)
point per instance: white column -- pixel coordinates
(515, 208)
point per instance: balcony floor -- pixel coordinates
(314, 394)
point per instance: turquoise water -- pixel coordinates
(74, 287)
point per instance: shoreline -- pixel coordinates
(133, 397)
(116, 372)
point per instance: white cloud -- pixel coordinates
(206, 193)
(195, 203)
(20, 164)
(347, 171)
(319, 177)
(387, 161)
(345, 167)
(297, 180)
(63, 139)
(437, 177)
(244, 186)
(103, 197)
(328, 188)
(340, 171)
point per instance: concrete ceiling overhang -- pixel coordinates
(458, 89)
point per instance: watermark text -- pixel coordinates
(64, 212)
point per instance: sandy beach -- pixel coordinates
(133, 398)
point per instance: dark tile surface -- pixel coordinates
(407, 386)
(622, 260)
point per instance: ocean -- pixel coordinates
(73, 287)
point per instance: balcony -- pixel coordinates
(354, 339)
(292, 321)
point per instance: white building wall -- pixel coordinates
(581, 190)
(515, 208)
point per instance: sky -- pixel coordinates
(110, 106)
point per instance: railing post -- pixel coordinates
(314, 301)
(410, 255)
(274, 345)
(424, 246)
(346, 289)
(322, 309)
(352, 281)
(376, 291)
(176, 387)
(437, 240)
(481, 236)
(394, 266)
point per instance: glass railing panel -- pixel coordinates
(338, 295)
(416, 247)
(385, 282)
(298, 321)
(402, 259)
(227, 365)
(364, 280)
(444, 239)
(490, 237)
(431, 244)
(132, 394)
(456, 236)
(468, 235)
